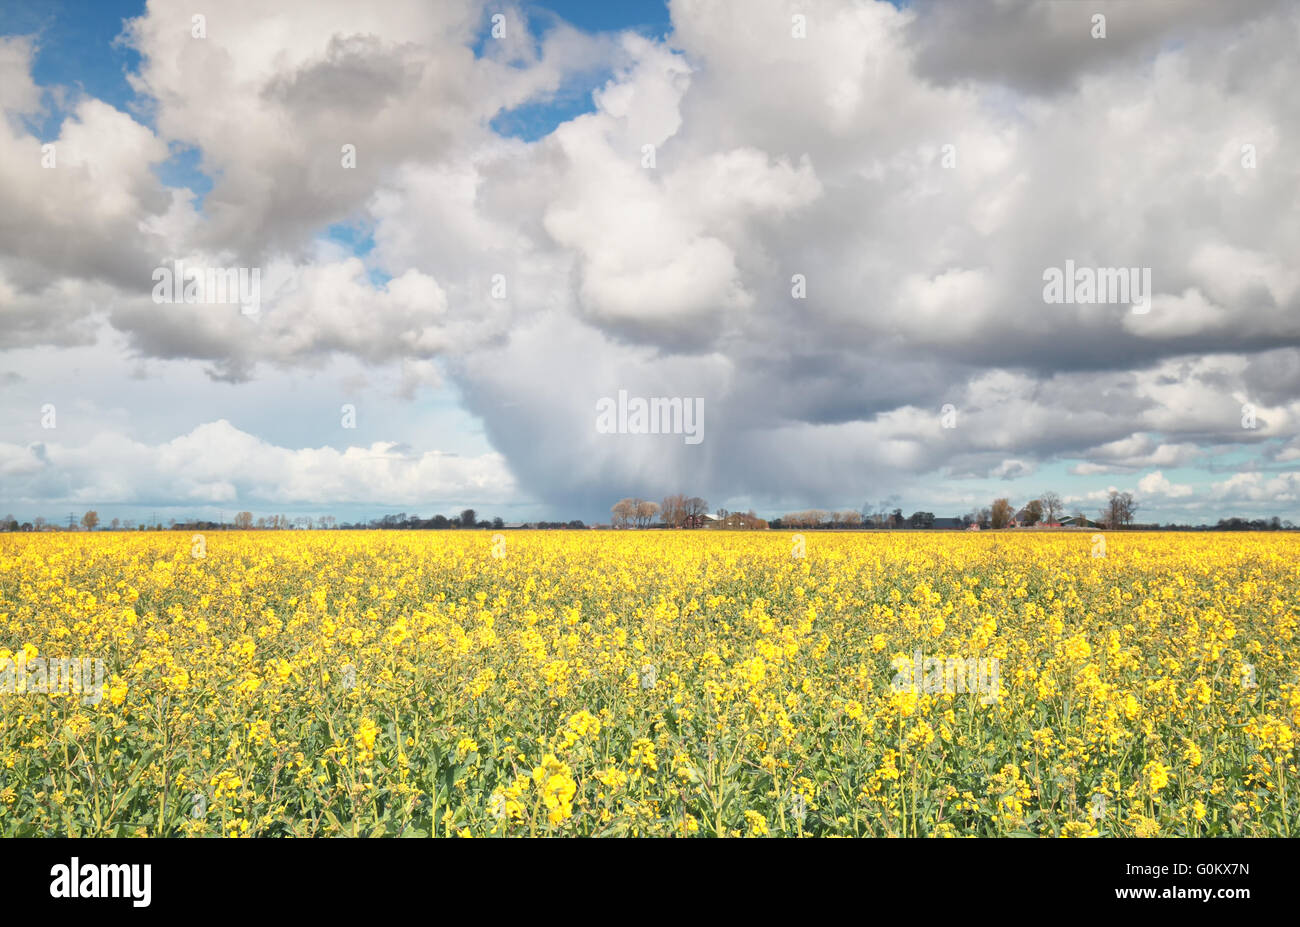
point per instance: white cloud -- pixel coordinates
(218, 463)
(1155, 484)
(774, 156)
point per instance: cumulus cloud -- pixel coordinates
(1155, 484)
(826, 239)
(216, 463)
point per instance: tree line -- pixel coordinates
(681, 511)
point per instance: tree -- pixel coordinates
(1109, 515)
(696, 509)
(645, 513)
(1119, 509)
(1034, 512)
(1001, 513)
(1128, 507)
(244, 520)
(1052, 506)
(468, 518)
(673, 510)
(623, 511)
(90, 520)
(115, 523)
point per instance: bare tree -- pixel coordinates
(673, 510)
(1112, 513)
(1128, 507)
(1052, 506)
(623, 511)
(1119, 509)
(645, 513)
(696, 509)
(90, 520)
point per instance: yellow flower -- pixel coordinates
(1156, 776)
(643, 754)
(556, 786)
(117, 691)
(1079, 829)
(367, 731)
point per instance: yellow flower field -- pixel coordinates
(651, 683)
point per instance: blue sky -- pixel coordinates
(80, 50)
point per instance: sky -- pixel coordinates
(466, 228)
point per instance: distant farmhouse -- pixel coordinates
(1077, 521)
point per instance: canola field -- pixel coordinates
(668, 683)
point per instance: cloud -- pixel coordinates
(1155, 484)
(916, 168)
(216, 463)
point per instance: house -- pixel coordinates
(1021, 518)
(1075, 521)
(949, 523)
